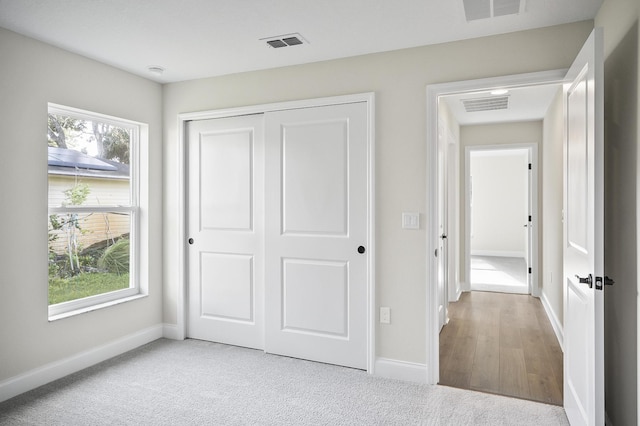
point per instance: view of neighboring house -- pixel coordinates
(108, 184)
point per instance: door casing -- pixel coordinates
(434, 91)
(369, 99)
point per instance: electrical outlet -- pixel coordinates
(385, 315)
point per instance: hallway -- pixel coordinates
(501, 343)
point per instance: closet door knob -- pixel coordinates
(361, 249)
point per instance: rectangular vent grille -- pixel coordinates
(493, 103)
(483, 9)
(285, 40)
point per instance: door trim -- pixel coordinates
(183, 118)
(532, 150)
(433, 92)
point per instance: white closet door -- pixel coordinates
(316, 234)
(225, 230)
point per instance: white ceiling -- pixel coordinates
(525, 104)
(202, 38)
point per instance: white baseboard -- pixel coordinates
(56, 370)
(400, 370)
(553, 318)
(170, 331)
(498, 253)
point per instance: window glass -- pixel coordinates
(92, 209)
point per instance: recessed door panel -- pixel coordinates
(577, 167)
(314, 297)
(226, 286)
(315, 186)
(226, 179)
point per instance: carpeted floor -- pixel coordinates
(200, 383)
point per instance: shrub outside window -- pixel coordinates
(93, 175)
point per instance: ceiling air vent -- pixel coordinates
(492, 103)
(285, 40)
(483, 9)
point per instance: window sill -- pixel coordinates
(96, 307)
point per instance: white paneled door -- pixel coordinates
(316, 234)
(584, 238)
(226, 230)
(278, 227)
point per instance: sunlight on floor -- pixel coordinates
(484, 271)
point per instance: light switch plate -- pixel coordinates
(410, 220)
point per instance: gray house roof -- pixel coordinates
(75, 163)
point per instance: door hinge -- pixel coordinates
(530, 217)
(529, 166)
(530, 270)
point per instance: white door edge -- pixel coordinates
(433, 92)
(181, 207)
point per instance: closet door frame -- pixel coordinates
(180, 331)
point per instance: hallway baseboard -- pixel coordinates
(553, 319)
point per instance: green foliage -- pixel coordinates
(85, 285)
(115, 258)
(112, 143)
(61, 127)
(116, 145)
(77, 195)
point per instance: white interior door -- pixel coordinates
(583, 237)
(225, 230)
(316, 234)
(443, 212)
(528, 234)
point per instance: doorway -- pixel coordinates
(501, 201)
(436, 95)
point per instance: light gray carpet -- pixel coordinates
(201, 383)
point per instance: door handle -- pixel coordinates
(190, 240)
(361, 249)
(588, 280)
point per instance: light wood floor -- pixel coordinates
(501, 343)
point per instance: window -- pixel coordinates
(93, 219)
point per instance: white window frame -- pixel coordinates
(138, 242)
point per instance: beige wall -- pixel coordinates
(551, 207)
(32, 74)
(399, 79)
(492, 134)
(619, 18)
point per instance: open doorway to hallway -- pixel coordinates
(494, 340)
